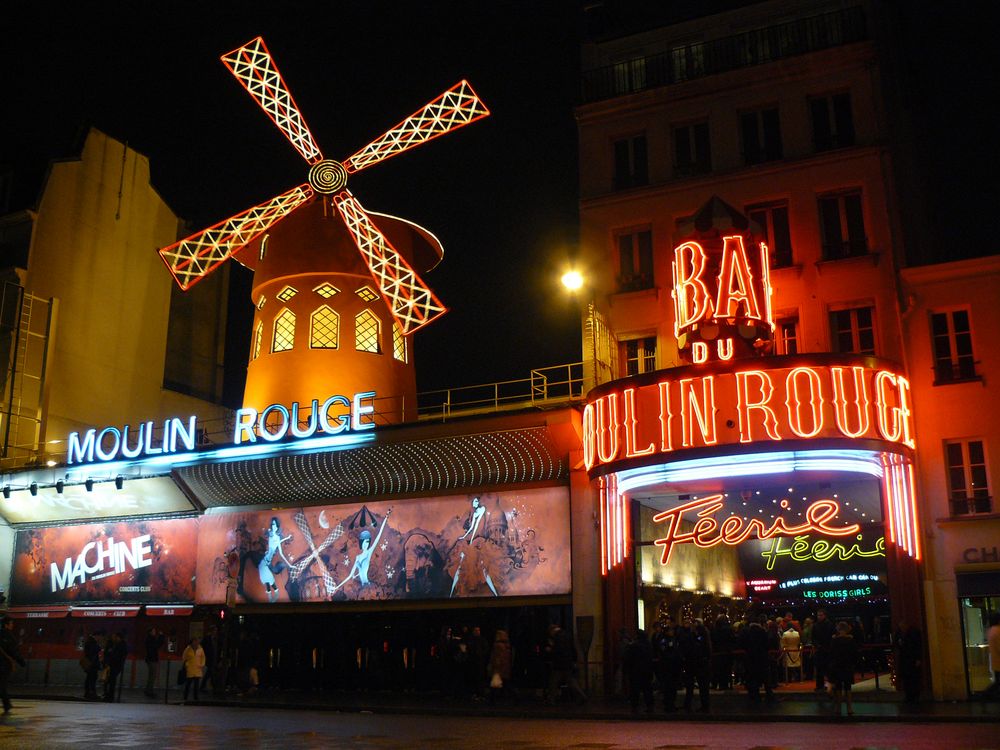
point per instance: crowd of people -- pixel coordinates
(757, 653)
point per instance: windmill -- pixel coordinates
(340, 264)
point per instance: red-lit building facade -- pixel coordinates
(770, 124)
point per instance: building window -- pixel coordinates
(786, 336)
(630, 162)
(832, 122)
(367, 328)
(640, 355)
(687, 62)
(952, 341)
(398, 343)
(324, 329)
(258, 338)
(853, 330)
(284, 332)
(326, 290)
(287, 293)
(366, 294)
(773, 221)
(630, 75)
(842, 225)
(635, 260)
(761, 132)
(692, 149)
(968, 489)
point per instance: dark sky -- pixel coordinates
(501, 194)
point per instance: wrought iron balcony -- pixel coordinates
(743, 50)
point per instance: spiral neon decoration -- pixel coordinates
(327, 177)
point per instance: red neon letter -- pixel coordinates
(860, 401)
(666, 417)
(589, 436)
(890, 418)
(702, 411)
(607, 428)
(735, 282)
(793, 401)
(630, 427)
(691, 297)
(744, 405)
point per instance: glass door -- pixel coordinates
(976, 613)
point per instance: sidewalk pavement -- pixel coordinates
(726, 706)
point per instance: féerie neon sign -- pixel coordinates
(708, 532)
(804, 549)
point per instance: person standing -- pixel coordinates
(822, 635)
(115, 654)
(756, 661)
(209, 645)
(154, 642)
(10, 659)
(909, 660)
(696, 648)
(638, 664)
(193, 659)
(561, 653)
(92, 655)
(669, 664)
(501, 660)
(843, 660)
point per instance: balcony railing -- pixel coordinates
(743, 50)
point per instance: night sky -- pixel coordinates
(501, 194)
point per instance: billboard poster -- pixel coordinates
(478, 545)
(137, 561)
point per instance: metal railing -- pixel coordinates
(743, 50)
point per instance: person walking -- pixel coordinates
(154, 642)
(10, 659)
(842, 662)
(92, 659)
(638, 665)
(193, 660)
(115, 654)
(822, 635)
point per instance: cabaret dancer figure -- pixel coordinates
(364, 558)
(274, 541)
(474, 519)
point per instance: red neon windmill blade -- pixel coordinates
(410, 300)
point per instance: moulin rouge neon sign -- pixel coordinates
(734, 530)
(690, 410)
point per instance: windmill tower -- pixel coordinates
(337, 294)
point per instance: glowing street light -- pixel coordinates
(572, 280)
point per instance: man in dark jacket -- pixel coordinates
(669, 664)
(822, 635)
(92, 656)
(756, 661)
(638, 665)
(154, 642)
(10, 657)
(560, 652)
(696, 649)
(115, 654)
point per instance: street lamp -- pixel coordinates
(573, 281)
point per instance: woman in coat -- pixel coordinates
(193, 659)
(844, 654)
(501, 659)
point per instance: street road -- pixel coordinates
(52, 724)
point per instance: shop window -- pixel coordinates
(366, 294)
(367, 330)
(326, 290)
(258, 337)
(630, 163)
(968, 488)
(635, 260)
(761, 134)
(287, 293)
(324, 329)
(692, 149)
(639, 355)
(842, 225)
(952, 342)
(853, 330)
(398, 343)
(832, 122)
(786, 336)
(284, 332)
(773, 221)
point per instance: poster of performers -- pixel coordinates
(477, 545)
(136, 561)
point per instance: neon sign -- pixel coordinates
(128, 442)
(734, 530)
(277, 421)
(637, 420)
(803, 549)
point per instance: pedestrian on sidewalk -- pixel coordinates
(696, 649)
(92, 665)
(10, 659)
(560, 651)
(115, 654)
(822, 635)
(843, 661)
(993, 644)
(193, 659)
(669, 664)
(756, 661)
(501, 660)
(638, 665)
(154, 642)
(909, 660)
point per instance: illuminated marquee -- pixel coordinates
(639, 420)
(734, 530)
(130, 442)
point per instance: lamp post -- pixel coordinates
(573, 281)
